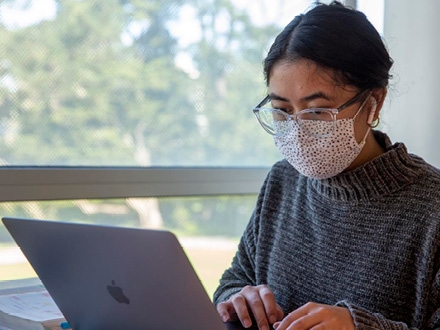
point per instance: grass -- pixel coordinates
(16, 271)
(210, 265)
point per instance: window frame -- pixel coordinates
(66, 183)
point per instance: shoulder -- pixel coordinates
(427, 194)
(429, 178)
(283, 169)
(283, 182)
(281, 175)
(413, 172)
(419, 200)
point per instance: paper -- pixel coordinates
(37, 306)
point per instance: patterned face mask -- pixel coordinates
(320, 157)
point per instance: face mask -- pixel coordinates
(320, 157)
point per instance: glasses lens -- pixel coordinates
(273, 121)
(317, 122)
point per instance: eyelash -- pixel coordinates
(291, 111)
(288, 111)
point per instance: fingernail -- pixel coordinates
(276, 325)
(272, 319)
(225, 318)
(247, 323)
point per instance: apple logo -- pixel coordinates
(116, 292)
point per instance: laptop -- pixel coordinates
(112, 278)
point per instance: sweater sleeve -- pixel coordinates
(240, 273)
(242, 270)
(365, 320)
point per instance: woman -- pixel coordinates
(346, 230)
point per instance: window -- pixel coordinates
(135, 114)
(170, 83)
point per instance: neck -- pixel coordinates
(371, 150)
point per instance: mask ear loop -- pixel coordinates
(370, 117)
(370, 122)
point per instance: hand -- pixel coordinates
(252, 301)
(317, 316)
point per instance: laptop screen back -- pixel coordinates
(106, 277)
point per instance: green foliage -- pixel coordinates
(101, 84)
(223, 216)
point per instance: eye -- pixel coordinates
(283, 106)
(286, 110)
(316, 114)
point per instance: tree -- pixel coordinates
(100, 84)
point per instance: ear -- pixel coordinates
(377, 99)
(372, 111)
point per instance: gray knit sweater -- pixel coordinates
(368, 239)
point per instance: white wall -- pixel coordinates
(412, 112)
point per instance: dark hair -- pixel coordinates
(335, 37)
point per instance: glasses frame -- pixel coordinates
(332, 111)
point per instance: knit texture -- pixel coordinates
(368, 239)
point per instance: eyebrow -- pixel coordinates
(308, 98)
(274, 96)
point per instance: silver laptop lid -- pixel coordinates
(106, 277)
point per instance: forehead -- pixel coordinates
(303, 77)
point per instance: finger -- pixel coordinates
(270, 306)
(257, 307)
(303, 323)
(226, 311)
(240, 305)
(301, 318)
(304, 310)
(280, 313)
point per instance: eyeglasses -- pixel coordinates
(318, 122)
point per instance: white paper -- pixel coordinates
(37, 306)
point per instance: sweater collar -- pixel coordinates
(381, 176)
